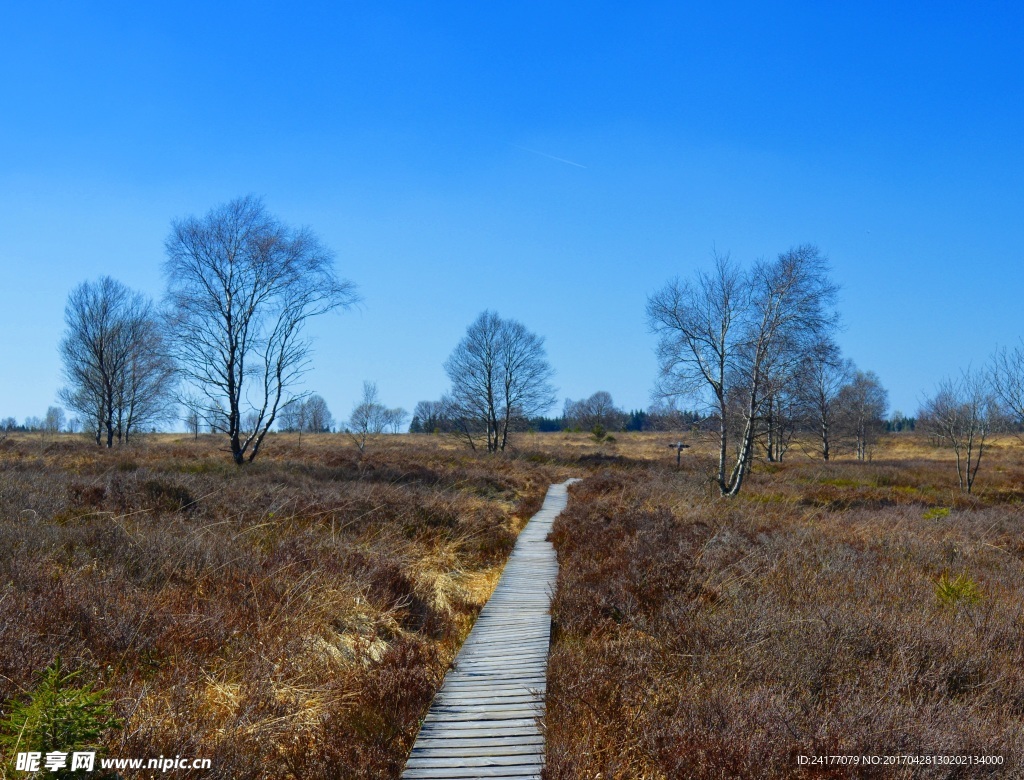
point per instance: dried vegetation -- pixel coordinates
(841, 608)
(292, 618)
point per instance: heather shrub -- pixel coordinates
(820, 613)
(292, 618)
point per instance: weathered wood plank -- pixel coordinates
(510, 733)
(486, 697)
(531, 760)
(529, 768)
(498, 746)
(532, 741)
(498, 724)
(484, 720)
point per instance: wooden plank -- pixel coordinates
(501, 748)
(487, 713)
(511, 734)
(454, 773)
(466, 693)
(531, 741)
(490, 681)
(484, 675)
(525, 722)
(507, 649)
(495, 745)
(484, 720)
(524, 759)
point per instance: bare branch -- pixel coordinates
(240, 288)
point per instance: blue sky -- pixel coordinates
(419, 141)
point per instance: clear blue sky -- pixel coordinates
(419, 140)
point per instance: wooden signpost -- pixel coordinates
(679, 447)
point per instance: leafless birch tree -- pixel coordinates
(963, 413)
(118, 375)
(730, 335)
(1006, 377)
(369, 417)
(427, 417)
(822, 375)
(54, 420)
(305, 414)
(499, 374)
(862, 404)
(598, 410)
(240, 288)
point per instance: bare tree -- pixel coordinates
(699, 325)
(292, 417)
(729, 337)
(1006, 377)
(369, 417)
(119, 376)
(196, 413)
(499, 373)
(214, 418)
(782, 416)
(395, 419)
(664, 414)
(427, 417)
(963, 413)
(461, 420)
(318, 416)
(145, 392)
(821, 377)
(192, 423)
(862, 404)
(597, 411)
(308, 414)
(240, 288)
(250, 422)
(54, 420)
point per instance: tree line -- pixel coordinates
(754, 346)
(751, 349)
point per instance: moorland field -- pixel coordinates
(292, 618)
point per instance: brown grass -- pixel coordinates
(292, 618)
(832, 608)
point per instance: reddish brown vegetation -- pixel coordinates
(293, 618)
(287, 619)
(819, 613)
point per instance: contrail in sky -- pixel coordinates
(549, 156)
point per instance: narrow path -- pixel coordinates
(483, 722)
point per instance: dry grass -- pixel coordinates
(292, 618)
(858, 608)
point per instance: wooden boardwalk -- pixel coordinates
(483, 721)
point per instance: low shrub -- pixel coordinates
(58, 714)
(698, 637)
